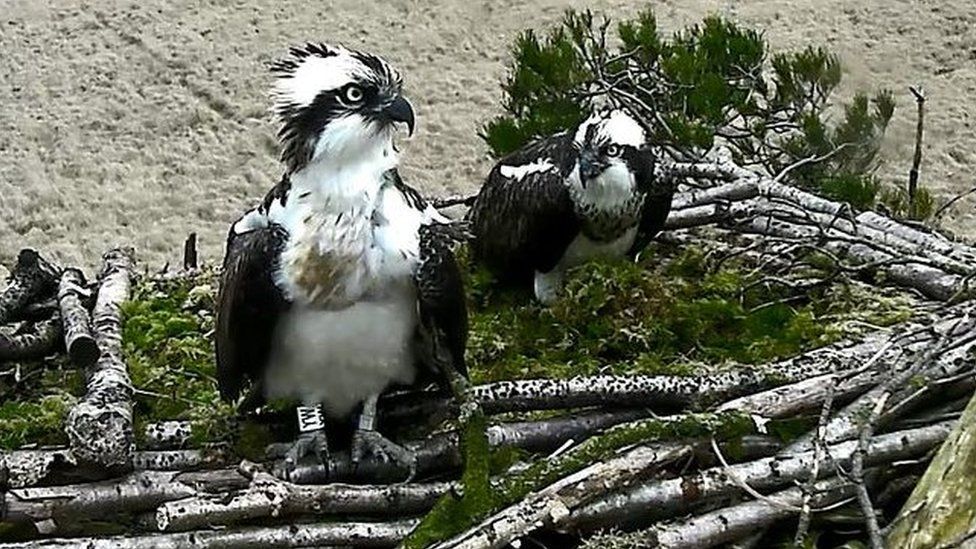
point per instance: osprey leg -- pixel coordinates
(311, 440)
(368, 441)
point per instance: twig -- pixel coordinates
(190, 253)
(917, 158)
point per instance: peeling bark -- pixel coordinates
(99, 427)
(941, 511)
(78, 339)
(31, 278)
(345, 534)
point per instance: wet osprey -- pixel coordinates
(562, 200)
(342, 282)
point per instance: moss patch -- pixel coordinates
(167, 340)
(660, 316)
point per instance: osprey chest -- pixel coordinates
(335, 258)
(603, 222)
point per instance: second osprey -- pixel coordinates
(570, 197)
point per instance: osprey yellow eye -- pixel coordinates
(354, 94)
(614, 150)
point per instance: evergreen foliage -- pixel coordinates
(712, 82)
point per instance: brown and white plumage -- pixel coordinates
(564, 199)
(333, 286)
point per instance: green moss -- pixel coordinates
(660, 316)
(453, 515)
(478, 497)
(169, 351)
(34, 421)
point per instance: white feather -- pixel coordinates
(338, 358)
(519, 172)
(316, 74)
(615, 126)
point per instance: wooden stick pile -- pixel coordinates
(876, 406)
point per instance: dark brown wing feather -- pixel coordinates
(523, 225)
(248, 308)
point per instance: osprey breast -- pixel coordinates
(608, 205)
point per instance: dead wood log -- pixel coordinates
(269, 497)
(905, 255)
(939, 512)
(726, 525)
(556, 502)
(35, 340)
(440, 453)
(166, 435)
(99, 427)
(673, 497)
(78, 340)
(939, 351)
(342, 534)
(31, 278)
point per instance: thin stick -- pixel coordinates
(917, 159)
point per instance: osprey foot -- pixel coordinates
(313, 443)
(371, 443)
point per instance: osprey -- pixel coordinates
(567, 198)
(342, 282)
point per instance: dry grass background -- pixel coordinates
(139, 122)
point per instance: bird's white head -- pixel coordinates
(610, 141)
(337, 104)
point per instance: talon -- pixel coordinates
(310, 443)
(372, 443)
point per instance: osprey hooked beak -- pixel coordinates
(589, 167)
(400, 110)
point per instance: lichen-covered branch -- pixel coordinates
(553, 504)
(31, 278)
(267, 497)
(78, 339)
(939, 512)
(326, 534)
(33, 341)
(674, 497)
(99, 427)
(725, 525)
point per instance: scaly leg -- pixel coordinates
(311, 440)
(368, 441)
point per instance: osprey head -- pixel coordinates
(337, 102)
(611, 142)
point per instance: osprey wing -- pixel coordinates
(523, 218)
(658, 187)
(248, 307)
(441, 304)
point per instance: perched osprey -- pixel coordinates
(564, 199)
(342, 282)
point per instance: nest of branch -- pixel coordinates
(837, 433)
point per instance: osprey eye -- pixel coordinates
(353, 94)
(614, 150)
